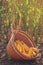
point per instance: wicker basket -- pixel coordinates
(12, 51)
(18, 34)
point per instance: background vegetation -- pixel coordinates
(31, 12)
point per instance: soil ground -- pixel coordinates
(4, 60)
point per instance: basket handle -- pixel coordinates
(19, 24)
(20, 21)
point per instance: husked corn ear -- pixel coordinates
(25, 50)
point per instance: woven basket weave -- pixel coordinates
(12, 51)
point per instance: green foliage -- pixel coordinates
(31, 16)
(30, 13)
